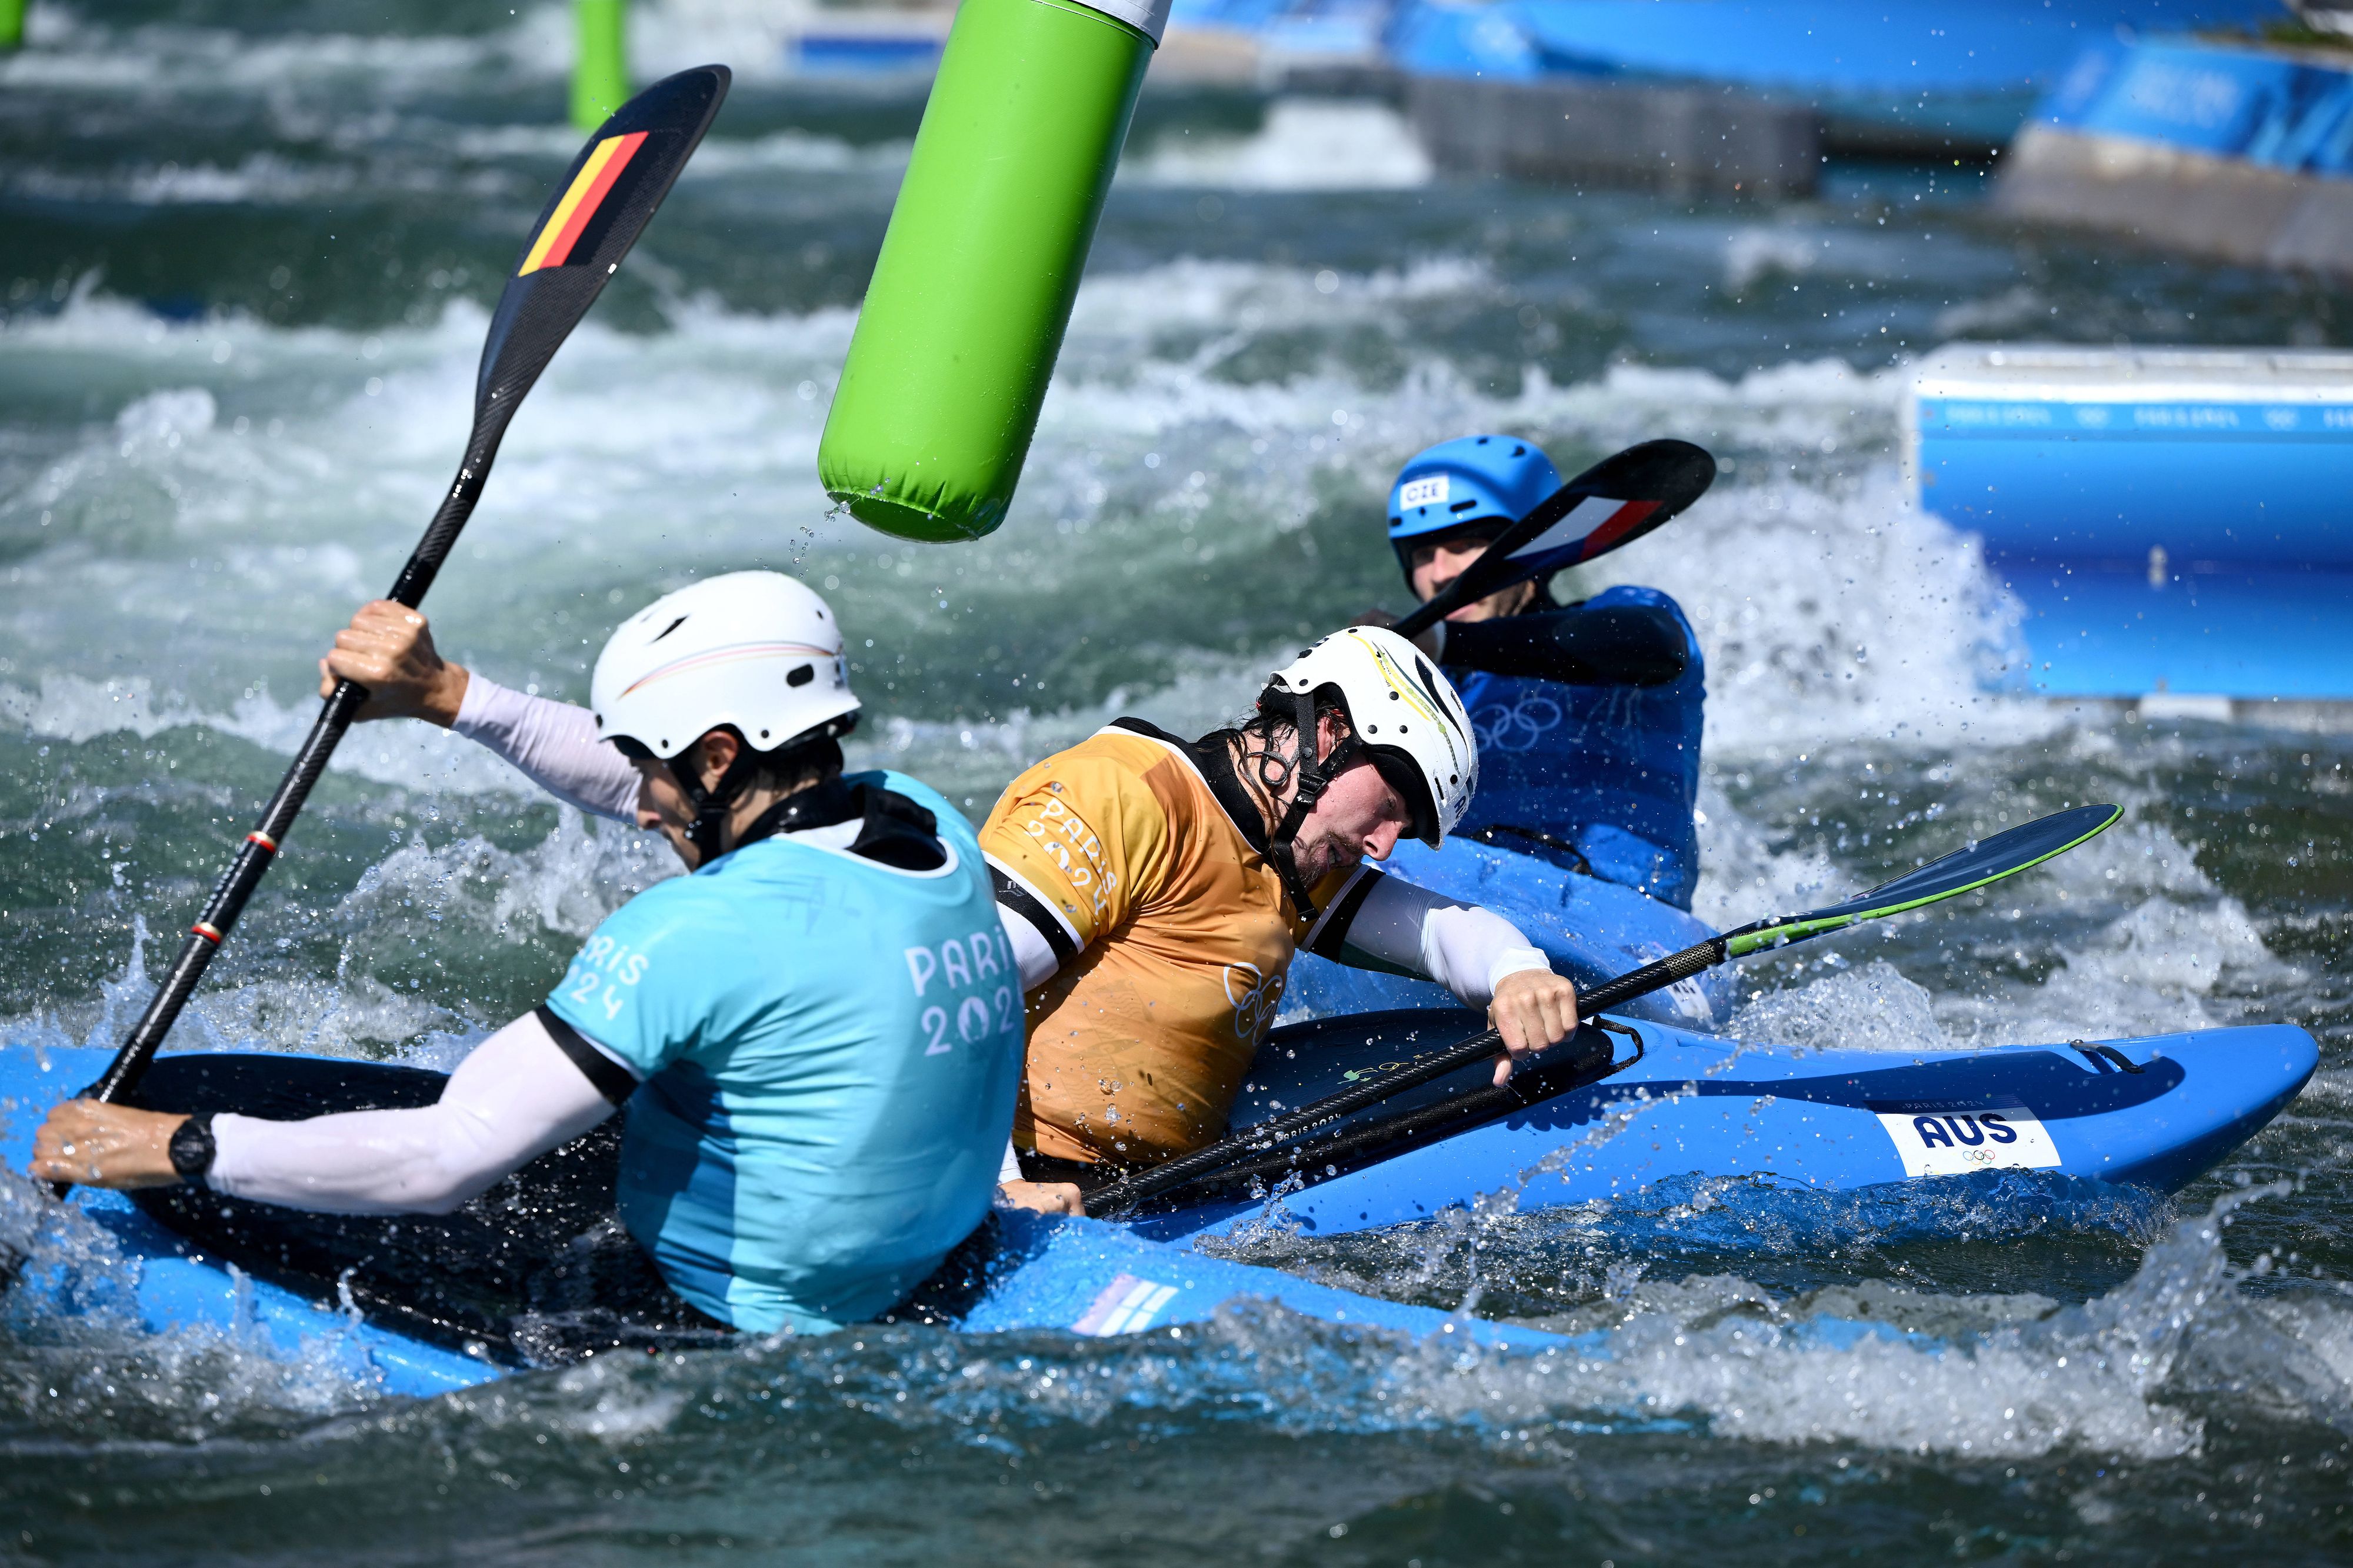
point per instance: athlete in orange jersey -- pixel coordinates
(1156, 890)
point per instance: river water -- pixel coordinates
(247, 255)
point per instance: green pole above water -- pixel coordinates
(958, 337)
(12, 23)
(600, 63)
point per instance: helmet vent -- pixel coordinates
(801, 675)
(670, 628)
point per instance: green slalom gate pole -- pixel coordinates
(600, 61)
(972, 291)
(12, 25)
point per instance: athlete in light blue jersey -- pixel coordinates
(826, 1044)
(818, 1034)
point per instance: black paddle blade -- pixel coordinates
(1964, 871)
(599, 208)
(1611, 504)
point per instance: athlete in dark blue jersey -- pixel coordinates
(1587, 714)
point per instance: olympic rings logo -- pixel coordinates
(1517, 727)
(1255, 996)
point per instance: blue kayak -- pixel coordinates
(1592, 929)
(1635, 1104)
(1631, 1106)
(240, 1274)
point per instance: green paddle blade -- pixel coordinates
(1964, 871)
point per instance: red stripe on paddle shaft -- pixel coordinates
(561, 251)
(1615, 527)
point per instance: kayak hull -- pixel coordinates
(1071, 1276)
(1592, 929)
(2154, 1112)
(1680, 1104)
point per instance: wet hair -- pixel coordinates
(1259, 756)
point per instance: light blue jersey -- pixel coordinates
(829, 1050)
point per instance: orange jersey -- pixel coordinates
(1181, 936)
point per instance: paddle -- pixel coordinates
(1964, 871)
(606, 198)
(1612, 504)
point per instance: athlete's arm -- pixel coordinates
(1072, 845)
(519, 1095)
(1377, 921)
(1625, 644)
(554, 744)
(1397, 926)
(388, 648)
(1043, 940)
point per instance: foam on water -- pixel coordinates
(1874, 1366)
(1830, 611)
(1306, 144)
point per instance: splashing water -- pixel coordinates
(237, 338)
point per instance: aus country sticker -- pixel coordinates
(1948, 1140)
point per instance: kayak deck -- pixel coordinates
(2153, 1112)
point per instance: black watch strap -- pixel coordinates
(191, 1147)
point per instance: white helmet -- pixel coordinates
(1401, 710)
(756, 650)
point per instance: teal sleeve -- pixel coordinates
(633, 988)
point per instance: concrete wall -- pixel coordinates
(1679, 139)
(2180, 200)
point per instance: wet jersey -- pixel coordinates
(1138, 1045)
(1608, 771)
(828, 1049)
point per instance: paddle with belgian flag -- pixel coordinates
(1964, 871)
(601, 205)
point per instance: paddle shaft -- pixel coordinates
(237, 884)
(1653, 976)
(1964, 871)
(1472, 583)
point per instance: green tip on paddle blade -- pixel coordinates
(1964, 871)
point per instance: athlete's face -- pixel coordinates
(1435, 566)
(663, 808)
(1358, 817)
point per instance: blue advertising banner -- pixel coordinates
(2269, 110)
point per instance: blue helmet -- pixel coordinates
(1470, 479)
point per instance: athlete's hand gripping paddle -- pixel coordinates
(604, 203)
(1963, 871)
(1612, 504)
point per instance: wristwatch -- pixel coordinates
(192, 1147)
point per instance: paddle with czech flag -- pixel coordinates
(599, 208)
(1611, 504)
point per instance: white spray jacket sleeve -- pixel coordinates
(553, 743)
(1463, 947)
(1031, 956)
(517, 1097)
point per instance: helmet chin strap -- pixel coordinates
(711, 804)
(1313, 778)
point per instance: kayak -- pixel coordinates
(1593, 930)
(423, 1305)
(1633, 1105)
(348, 1292)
